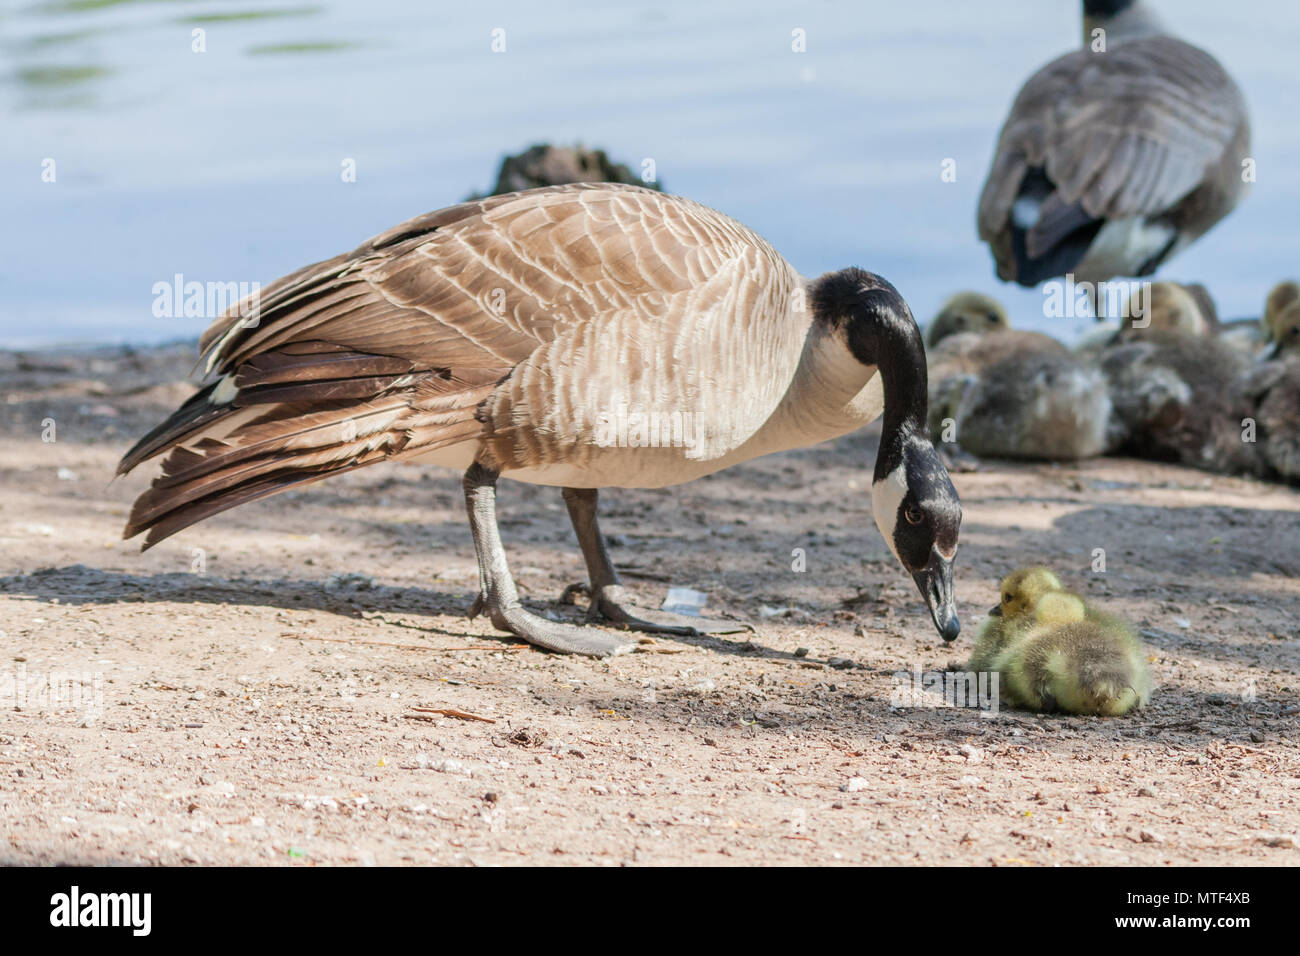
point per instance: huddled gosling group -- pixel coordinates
(1054, 652)
(1171, 382)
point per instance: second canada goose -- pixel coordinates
(511, 336)
(1113, 159)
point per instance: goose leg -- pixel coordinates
(497, 595)
(610, 601)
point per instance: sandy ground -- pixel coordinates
(257, 708)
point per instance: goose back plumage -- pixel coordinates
(501, 330)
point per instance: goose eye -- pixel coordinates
(913, 514)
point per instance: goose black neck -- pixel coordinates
(880, 331)
(1105, 8)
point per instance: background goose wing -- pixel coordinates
(1120, 134)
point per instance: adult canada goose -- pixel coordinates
(1113, 159)
(509, 335)
(966, 312)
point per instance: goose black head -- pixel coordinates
(1105, 8)
(914, 503)
(917, 511)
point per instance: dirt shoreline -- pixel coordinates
(260, 707)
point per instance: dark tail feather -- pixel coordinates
(197, 413)
(1057, 241)
(280, 447)
(168, 507)
(1058, 260)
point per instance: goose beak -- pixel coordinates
(995, 610)
(1273, 351)
(935, 584)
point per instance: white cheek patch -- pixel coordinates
(886, 495)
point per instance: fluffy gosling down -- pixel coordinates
(1054, 653)
(1009, 393)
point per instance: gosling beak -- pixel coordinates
(935, 584)
(995, 610)
(1273, 351)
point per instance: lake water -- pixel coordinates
(225, 165)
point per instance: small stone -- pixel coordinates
(1146, 792)
(855, 784)
(490, 796)
(1150, 836)
(972, 754)
(841, 663)
(1256, 736)
(801, 652)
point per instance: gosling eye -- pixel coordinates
(992, 317)
(913, 514)
(1006, 598)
